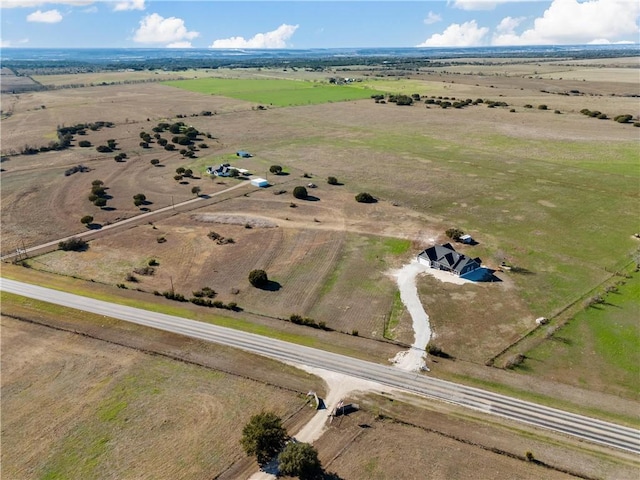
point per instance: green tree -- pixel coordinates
(155, 162)
(454, 233)
(258, 278)
(196, 190)
(139, 199)
(264, 436)
(180, 170)
(86, 220)
(100, 202)
(84, 143)
(300, 193)
(275, 169)
(300, 460)
(365, 197)
(332, 181)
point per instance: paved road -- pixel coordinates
(585, 428)
(126, 223)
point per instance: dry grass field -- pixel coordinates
(75, 407)
(551, 194)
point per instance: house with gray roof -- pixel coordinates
(445, 257)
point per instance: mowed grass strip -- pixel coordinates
(280, 93)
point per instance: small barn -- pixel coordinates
(259, 182)
(444, 257)
(243, 154)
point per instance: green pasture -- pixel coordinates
(564, 212)
(280, 93)
(599, 346)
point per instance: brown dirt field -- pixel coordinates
(394, 439)
(76, 407)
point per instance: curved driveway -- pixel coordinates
(585, 428)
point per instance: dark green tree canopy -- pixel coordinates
(258, 278)
(300, 460)
(264, 436)
(275, 169)
(365, 197)
(300, 193)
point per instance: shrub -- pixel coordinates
(258, 278)
(148, 270)
(74, 243)
(332, 181)
(300, 192)
(454, 233)
(100, 202)
(365, 197)
(103, 149)
(542, 107)
(86, 220)
(275, 169)
(155, 162)
(623, 118)
(84, 143)
(528, 105)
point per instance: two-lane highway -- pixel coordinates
(585, 428)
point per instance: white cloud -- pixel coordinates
(129, 5)
(466, 35)
(157, 29)
(432, 18)
(50, 16)
(274, 39)
(38, 3)
(509, 24)
(183, 44)
(573, 22)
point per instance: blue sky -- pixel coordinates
(313, 24)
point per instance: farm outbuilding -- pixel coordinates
(243, 154)
(466, 238)
(259, 182)
(444, 257)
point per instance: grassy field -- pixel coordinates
(604, 336)
(280, 93)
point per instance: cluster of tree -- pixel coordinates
(625, 118)
(205, 292)
(109, 147)
(264, 437)
(308, 322)
(73, 244)
(65, 137)
(98, 195)
(400, 99)
(219, 239)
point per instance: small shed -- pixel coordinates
(243, 154)
(466, 238)
(259, 182)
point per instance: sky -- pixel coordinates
(305, 24)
